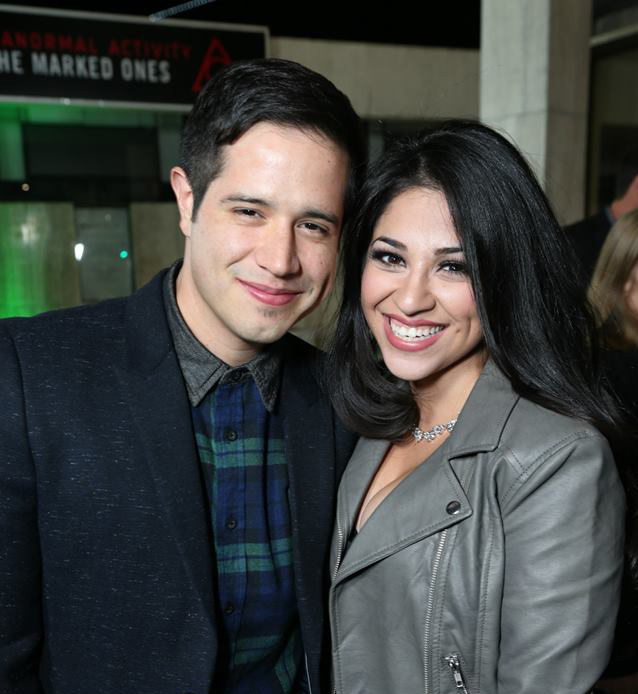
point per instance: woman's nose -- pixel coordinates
(415, 295)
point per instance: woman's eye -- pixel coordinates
(454, 267)
(386, 258)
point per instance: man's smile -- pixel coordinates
(273, 296)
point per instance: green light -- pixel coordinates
(124, 255)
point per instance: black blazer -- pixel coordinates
(588, 237)
(105, 555)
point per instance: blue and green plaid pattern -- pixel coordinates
(241, 450)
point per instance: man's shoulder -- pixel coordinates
(88, 322)
(81, 328)
(598, 223)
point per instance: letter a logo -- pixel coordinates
(215, 55)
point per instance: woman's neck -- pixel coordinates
(441, 397)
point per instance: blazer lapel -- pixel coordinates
(152, 383)
(310, 454)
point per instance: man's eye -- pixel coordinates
(246, 212)
(313, 226)
(386, 258)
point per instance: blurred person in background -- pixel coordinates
(588, 235)
(614, 295)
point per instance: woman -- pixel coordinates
(479, 533)
(614, 295)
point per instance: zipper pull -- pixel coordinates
(455, 665)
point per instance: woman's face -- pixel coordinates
(415, 292)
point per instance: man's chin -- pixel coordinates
(266, 336)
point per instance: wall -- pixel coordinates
(393, 82)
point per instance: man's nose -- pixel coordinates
(276, 251)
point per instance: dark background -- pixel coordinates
(452, 23)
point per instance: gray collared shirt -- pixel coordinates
(202, 370)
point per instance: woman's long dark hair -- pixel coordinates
(536, 325)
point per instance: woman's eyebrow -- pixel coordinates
(391, 242)
(448, 250)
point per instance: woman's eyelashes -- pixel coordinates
(388, 258)
(454, 267)
(392, 259)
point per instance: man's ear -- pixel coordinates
(184, 196)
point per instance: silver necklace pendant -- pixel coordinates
(432, 433)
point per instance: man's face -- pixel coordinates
(262, 250)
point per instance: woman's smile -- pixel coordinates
(410, 337)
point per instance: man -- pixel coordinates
(588, 235)
(169, 463)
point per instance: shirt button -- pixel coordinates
(230, 608)
(453, 507)
(235, 376)
(231, 523)
(230, 434)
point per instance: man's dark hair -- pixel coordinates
(265, 90)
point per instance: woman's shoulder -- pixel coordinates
(540, 446)
(502, 419)
(538, 429)
(527, 442)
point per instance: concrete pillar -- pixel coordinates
(534, 82)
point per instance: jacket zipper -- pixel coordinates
(339, 550)
(338, 563)
(454, 662)
(430, 607)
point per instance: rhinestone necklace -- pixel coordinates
(432, 433)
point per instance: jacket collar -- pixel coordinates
(484, 415)
(148, 338)
(431, 498)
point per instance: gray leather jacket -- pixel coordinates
(494, 568)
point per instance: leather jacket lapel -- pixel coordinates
(427, 501)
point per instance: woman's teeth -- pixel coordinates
(413, 333)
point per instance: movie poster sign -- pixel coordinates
(58, 54)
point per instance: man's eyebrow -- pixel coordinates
(236, 197)
(312, 212)
(321, 214)
(391, 242)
